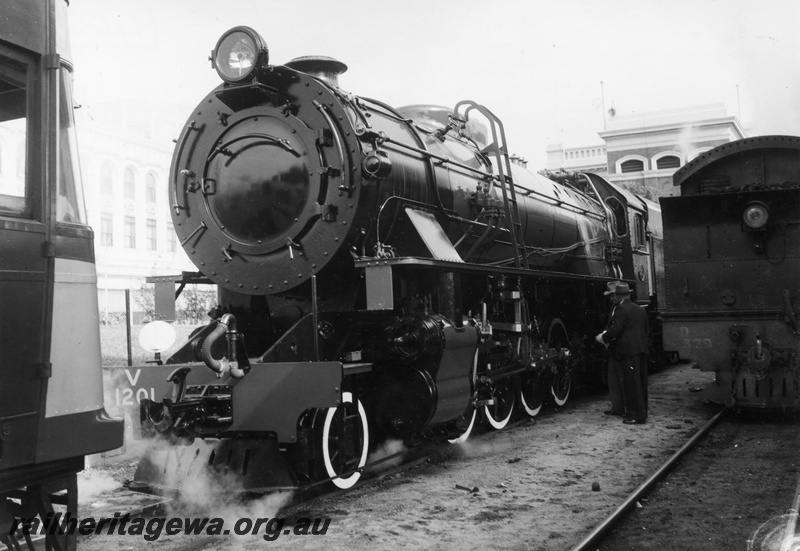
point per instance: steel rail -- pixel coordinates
(590, 541)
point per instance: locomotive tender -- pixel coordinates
(382, 274)
(732, 259)
(51, 388)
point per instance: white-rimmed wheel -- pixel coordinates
(532, 384)
(469, 421)
(561, 386)
(532, 390)
(499, 414)
(558, 343)
(345, 441)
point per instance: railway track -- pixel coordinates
(592, 539)
(733, 486)
(623, 528)
(421, 455)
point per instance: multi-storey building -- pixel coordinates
(125, 164)
(589, 158)
(125, 170)
(643, 150)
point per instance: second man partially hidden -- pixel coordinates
(627, 336)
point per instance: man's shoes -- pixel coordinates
(612, 412)
(631, 421)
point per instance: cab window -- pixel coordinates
(639, 232)
(70, 207)
(14, 131)
(618, 210)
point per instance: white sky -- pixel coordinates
(536, 64)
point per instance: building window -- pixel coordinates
(150, 187)
(632, 165)
(107, 178)
(130, 232)
(151, 235)
(106, 230)
(129, 184)
(172, 245)
(668, 161)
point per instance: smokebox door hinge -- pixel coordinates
(330, 171)
(327, 212)
(209, 186)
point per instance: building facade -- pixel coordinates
(642, 151)
(590, 158)
(125, 170)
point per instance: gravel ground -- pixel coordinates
(541, 485)
(739, 480)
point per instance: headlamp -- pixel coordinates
(157, 336)
(755, 215)
(238, 53)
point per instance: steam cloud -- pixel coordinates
(386, 449)
(483, 448)
(212, 494)
(92, 483)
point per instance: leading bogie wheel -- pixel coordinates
(345, 441)
(469, 421)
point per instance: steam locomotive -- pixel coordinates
(732, 259)
(382, 274)
(51, 399)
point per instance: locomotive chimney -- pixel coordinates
(327, 69)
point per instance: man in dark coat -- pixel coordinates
(627, 336)
(615, 392)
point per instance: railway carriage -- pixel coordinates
(382, 273)
(51, 392)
